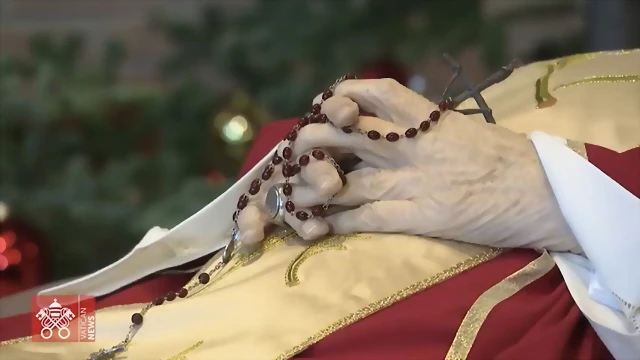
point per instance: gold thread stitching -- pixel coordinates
(330, 243)
(390, 300)
(601, 80)
(543, 96)
(479, 311)
(183, 355)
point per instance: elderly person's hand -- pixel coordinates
(451, 177)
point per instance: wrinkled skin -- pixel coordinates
(463, 180)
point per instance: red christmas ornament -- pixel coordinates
(385, 68)
(24, 257)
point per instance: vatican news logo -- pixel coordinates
(63, 318)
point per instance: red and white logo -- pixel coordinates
(67, 318)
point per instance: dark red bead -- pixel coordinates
(302, 216)
(316, 108)
(392, 137)
(315, 118)
(183, 293)
(304, 121)
(411, 132)
(253, 190)
(287, 189)
(276, 159)
(318, 154)
(171, 296)
(287, 153)
(292, 135)
(424, 126)
(304, 160)
(343, 177)
(243, 201)
(295, 169)
(136, 319)
(289, 206)
(256, 183)
(350, 76)
(323, 119)
(347, 130)
(235, 215)
(434, 116)
(158, 301)
(204, 278)
(317, 210)
(373, 135)
(266, 174)
(327, 94)
(443, 105)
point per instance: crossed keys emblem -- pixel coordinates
(55, 317)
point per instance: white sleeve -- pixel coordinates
(605, 219)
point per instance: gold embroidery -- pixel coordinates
(241, 259)
(578, 148)
(330, 243)
(601, 80)
(498, 293)
(543, 96)
(14, 341)
(390, 300)
(183, 355)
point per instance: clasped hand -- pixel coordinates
(462, 179)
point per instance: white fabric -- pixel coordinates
(605, 219)
(204, 232)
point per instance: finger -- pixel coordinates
(323, 182)
(399, 216)
(372, 184)
(251, 223)
(309, 229)
(341, 111)
(324, 136)
(388, 99)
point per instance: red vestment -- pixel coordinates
(541, 321)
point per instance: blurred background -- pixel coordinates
(120, 115)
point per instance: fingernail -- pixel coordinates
(314, 229)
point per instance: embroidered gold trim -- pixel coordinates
(14, 341)
(392, 299)
(331, 243)
(183, 355)
(601, 80)
(477, 314)
(543, 96)
(578, 148)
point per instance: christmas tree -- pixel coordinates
(94, 164)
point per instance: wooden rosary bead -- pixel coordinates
(287, 153)
(302, 216)
(304, 160)
(182, 293)
(434, 116)
(266, 174)
(304, 121)
(171, 296)
(317, 154)
(323, 119)
(392, 137)
(317, 210)
(349, 76)
(287, 189)
(347, 130)
(287, 171)
(295, 169)
(277, 160)
(204, 278)
(292, 135)
(443, 105)
(373, 135)
(315, 118)
(411, 133)
(327, 94)
(137, 319)
(315, 109)
(243, 201)
(158, 301)
(290, 206)
(235, 215)
(425, 125)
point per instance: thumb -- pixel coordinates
(397, 216)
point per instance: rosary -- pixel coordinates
(277, 199)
